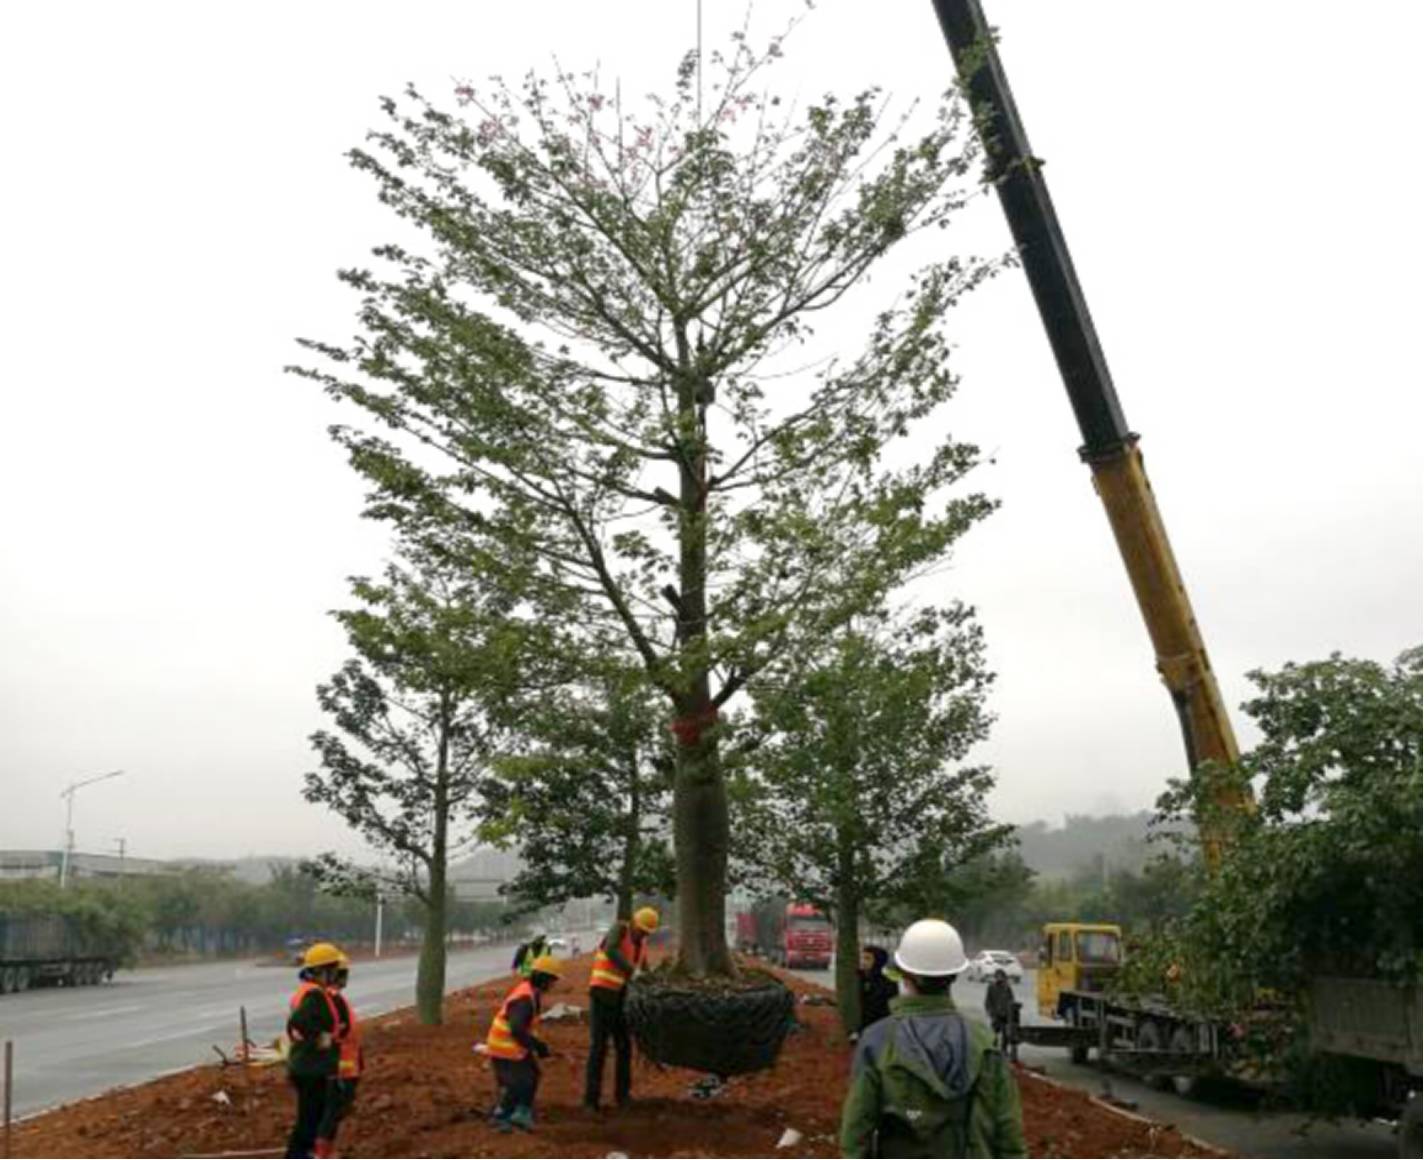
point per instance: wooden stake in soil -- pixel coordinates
(9, 1082)
(244, 1053)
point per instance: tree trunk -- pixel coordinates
(631, 837)
(700, 818)
(700, 836)
(430, 976)
(847, 940)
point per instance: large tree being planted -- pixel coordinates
(599, 360)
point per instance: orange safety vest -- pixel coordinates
(606, 972)
(500, 1042)
(301, 993)
(348, 1040)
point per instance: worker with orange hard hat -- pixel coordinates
(313, 1054)
(621, 955)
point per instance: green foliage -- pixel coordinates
(586, 797)
(581, 369)
(855, 765)
(1323, 877)
(855, 801)
(104, 920)
(198, 912)
(438, 652)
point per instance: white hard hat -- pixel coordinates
(931, 948)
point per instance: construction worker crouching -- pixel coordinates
(515, 1050)
(313, 1057)
(926, 1081)
(622, 954)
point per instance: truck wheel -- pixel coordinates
(7, 981)
(1184, 1042)
(1078, 1053)
(1411, 1134)
(1150, 1037)
(22, 978)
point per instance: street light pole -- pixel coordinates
(68, 795)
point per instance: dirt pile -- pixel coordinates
(426, 1094)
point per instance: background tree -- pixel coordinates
(437, 650)
(586, 799)
(862, 804)
(588, 370)
(1323, 877)
(984, 897)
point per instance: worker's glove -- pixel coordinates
(541, 1049)
(323, 1041)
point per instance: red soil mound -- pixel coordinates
(426, 1094)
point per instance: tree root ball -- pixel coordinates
(725, 1026)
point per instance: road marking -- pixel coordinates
(103, 1012)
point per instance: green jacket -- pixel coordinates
(926, 1081)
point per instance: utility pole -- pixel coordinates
(68, 795)
(123, 845)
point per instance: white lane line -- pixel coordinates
(104, 1013)
(186, 1033)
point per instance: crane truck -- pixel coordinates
(1078, 962)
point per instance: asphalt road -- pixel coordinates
(1228, 1119)
(77, 1042)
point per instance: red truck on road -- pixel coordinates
(788, 934)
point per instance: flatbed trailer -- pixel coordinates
(50, 949)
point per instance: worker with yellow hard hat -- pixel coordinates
(313, 1055)
(621, 955)
(350, 1062)
(515, 1050)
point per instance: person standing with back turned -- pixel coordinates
(313, 1053)
(622, 953)
(926, 1081)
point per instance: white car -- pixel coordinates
(983, 965)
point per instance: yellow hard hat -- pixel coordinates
(646, 919)
(547, 965)
(322, 954)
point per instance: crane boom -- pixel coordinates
(1110, 448)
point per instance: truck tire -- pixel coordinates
(1183, 1041)
(1078, 1053)
(8, 981)
(1410, 1140)
(1152, 1037)
(22, 978)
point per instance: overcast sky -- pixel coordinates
(1238, 183)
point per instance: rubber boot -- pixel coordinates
(522, 1118)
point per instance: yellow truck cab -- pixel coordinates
(1076, 956)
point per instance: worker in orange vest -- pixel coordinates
(313, 1054)
(622, 954)
(350, 1060)
(515, 1050)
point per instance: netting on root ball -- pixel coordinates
(725, 1031)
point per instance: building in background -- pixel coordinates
(46, 864)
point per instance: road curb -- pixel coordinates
(1146, 1121)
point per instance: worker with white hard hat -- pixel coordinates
(926, 1081)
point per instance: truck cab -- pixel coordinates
(1076, 956)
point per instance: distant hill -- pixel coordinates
(1081, 843)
